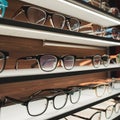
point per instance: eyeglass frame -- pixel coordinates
(5, 56)
(3, 7)
(94, 86)
(37, 58)
(88, 118)
(66, 21)
(26, 102)
(92, 57)
(104, 110)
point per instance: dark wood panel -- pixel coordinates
(19, 47)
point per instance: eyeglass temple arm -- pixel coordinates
(34, 65)
(85, 57)
(98, 109)
(65, 118)
(12, 99)
(17, 13)
(80, 117)
(23, 58)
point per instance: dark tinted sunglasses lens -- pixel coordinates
(68, 62)
(36, 15)
(74, 24)
(48, 62)
(58, 20)
(2, 61)
(96, 61)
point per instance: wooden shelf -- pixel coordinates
(8, 76)
(81, 11)
(27, 30)
(88, 98)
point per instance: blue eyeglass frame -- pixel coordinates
(3, 5)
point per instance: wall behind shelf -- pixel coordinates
(19, 47)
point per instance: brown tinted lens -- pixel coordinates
(58, 20)
(36, 15)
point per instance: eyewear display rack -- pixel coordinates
(31, 31)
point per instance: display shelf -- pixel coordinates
(88, 99)
(20, 75)
(81, 11)
(32, 31)
(90, 111)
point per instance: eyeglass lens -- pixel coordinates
(116, 84)
(109, 111)
(96, 61)
(2, 61)
(75, 96)
(68, 62)
(36, 15)
(96, 116)
(117, 107)
(37, 107)
(60, 101)
(105, 60)
(100, 90)
(48, 62)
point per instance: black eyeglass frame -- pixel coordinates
(37, 58)
(58, 91)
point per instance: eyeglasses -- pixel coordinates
(101, 88)
(39, 16)
(3, 5)
(109, 110)
(116, 83)
(115, 58)
(3, 56)
(49, 62)
(38, 102)
(95, 116)
(97, 60)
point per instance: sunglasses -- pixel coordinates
(40, 16)
(3, 5)
(49, 62)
